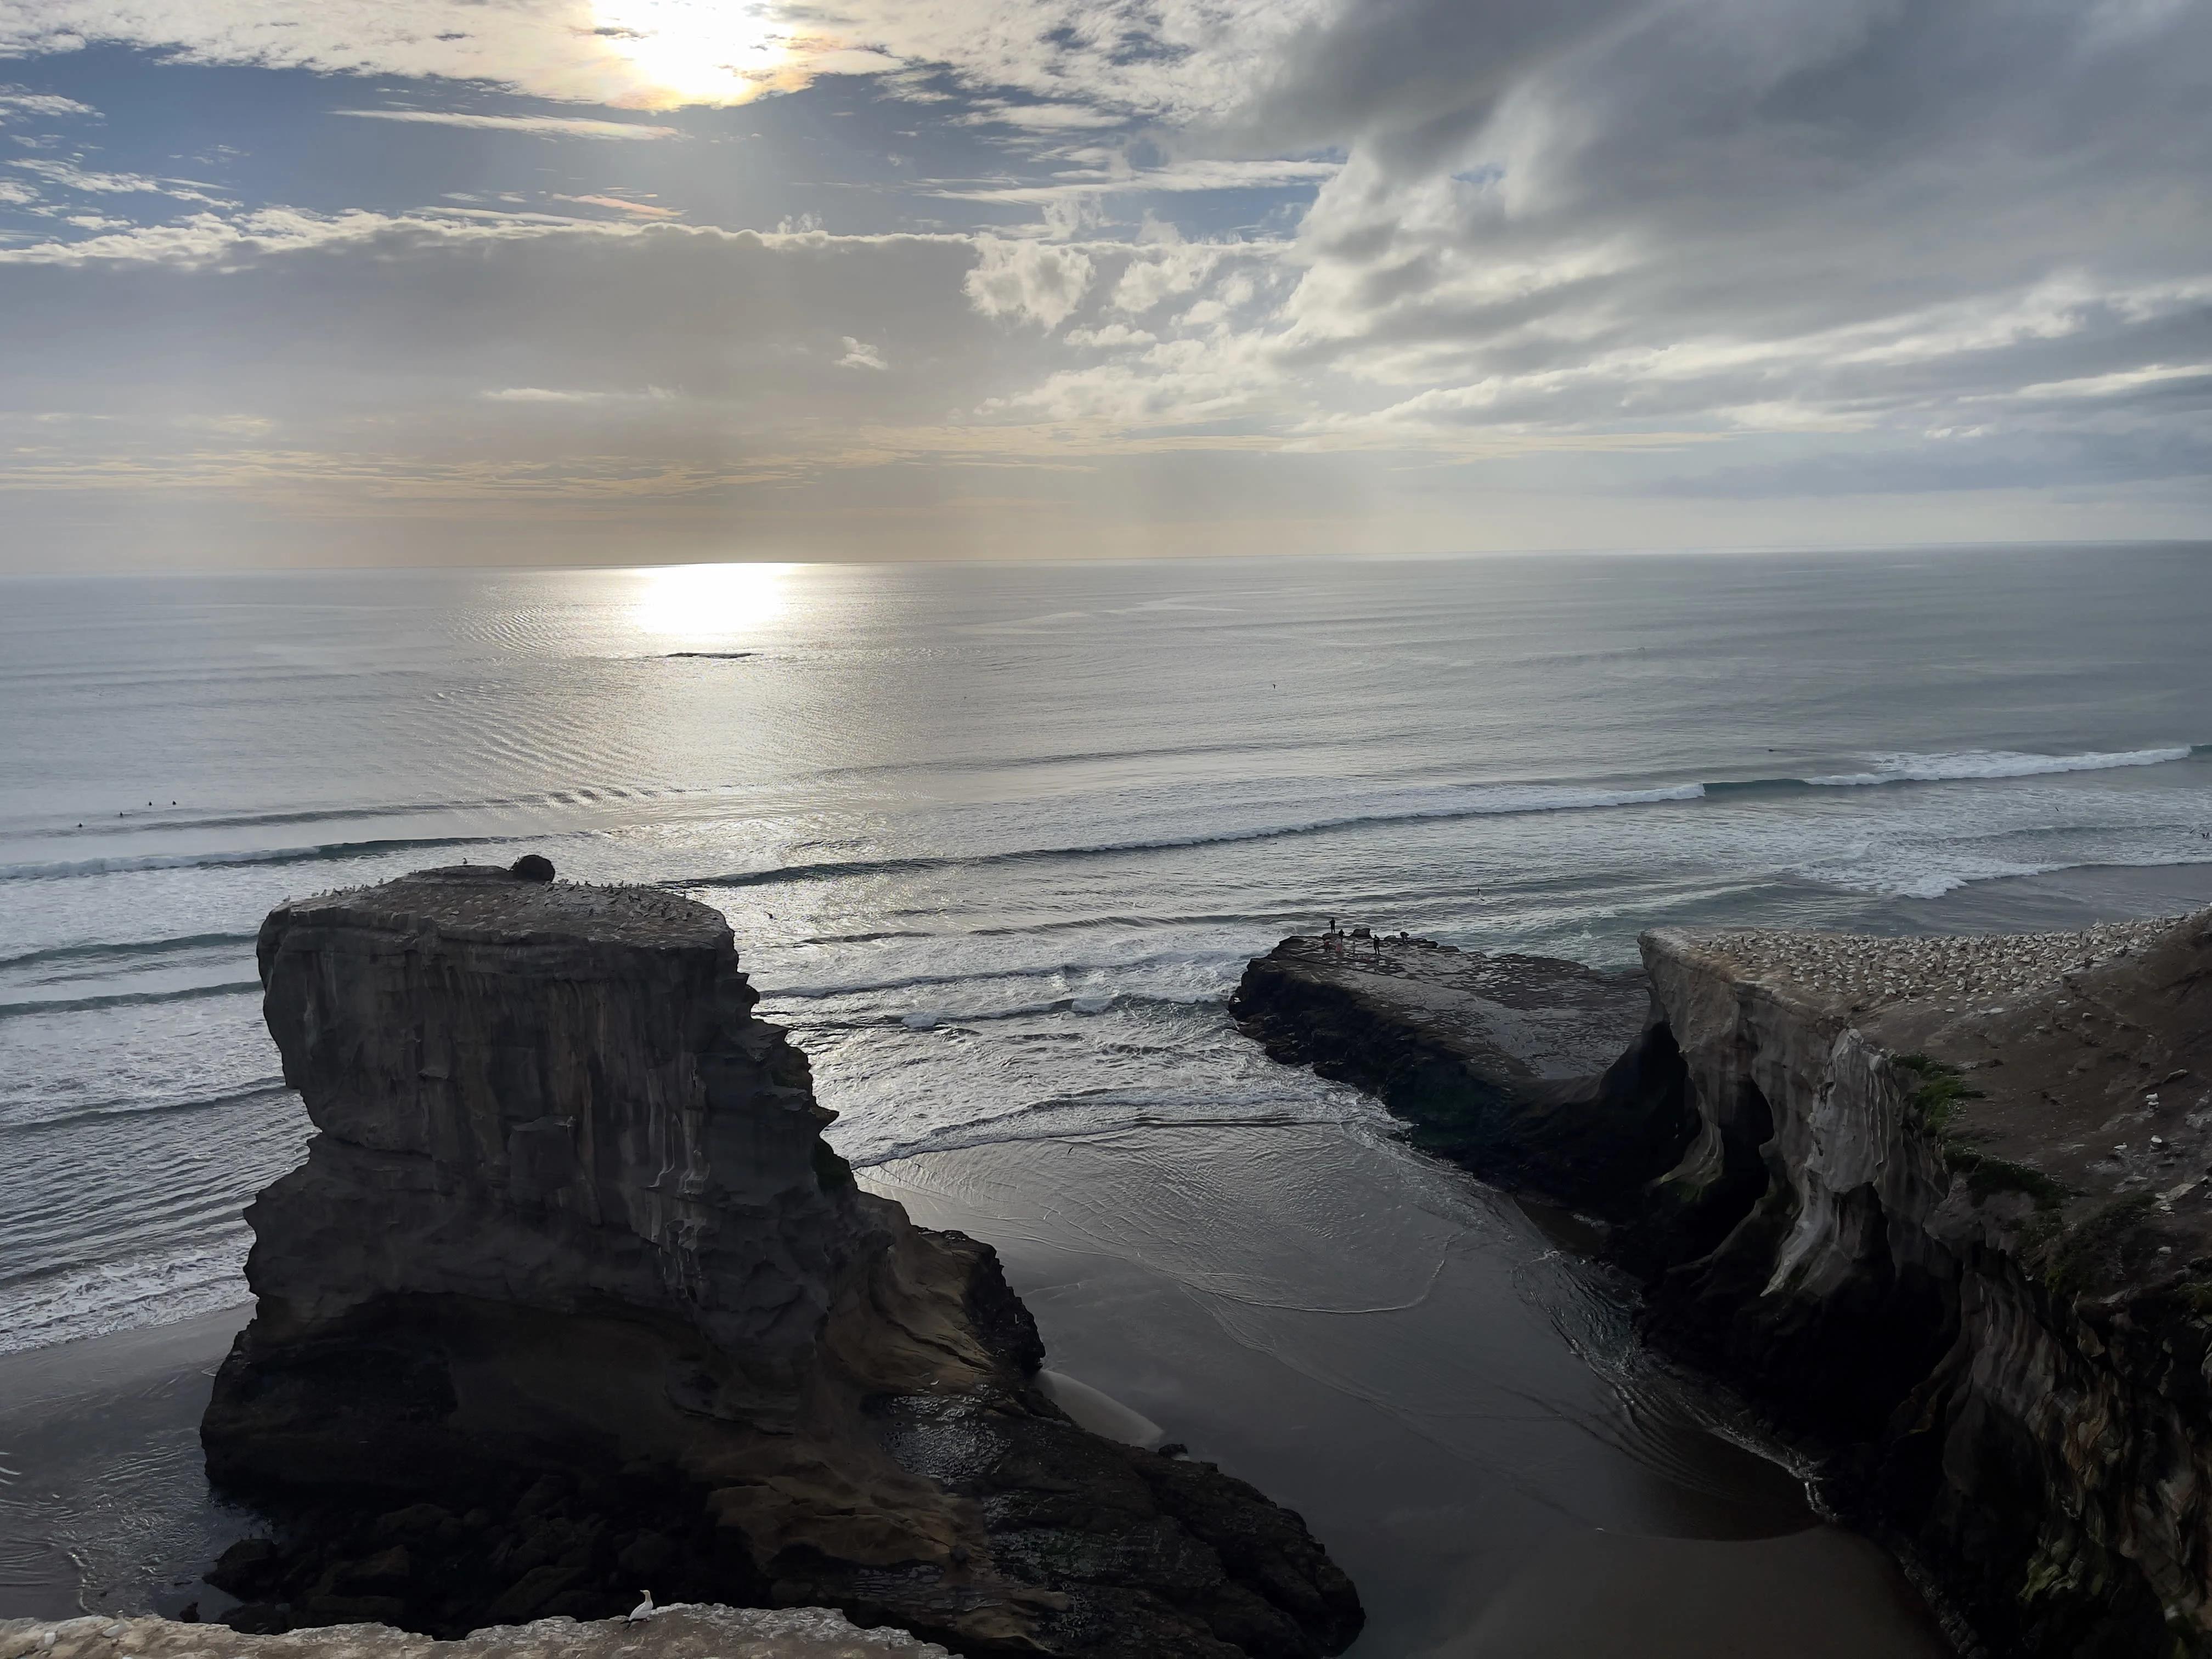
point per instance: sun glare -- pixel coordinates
(711, 604)
(697, 51)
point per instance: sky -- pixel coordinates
(555, 281)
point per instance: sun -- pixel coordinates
(710, 604)
(697, 51)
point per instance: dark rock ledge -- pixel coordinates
(1540, 1075)
(1940, 1206)
(570, 1300)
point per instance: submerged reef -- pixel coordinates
(1941, 1206)
(570, 1299)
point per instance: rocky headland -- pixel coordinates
(1539, 1073)
(1939, 1205)
(570, 1300)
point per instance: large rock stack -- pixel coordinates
(570, 1299)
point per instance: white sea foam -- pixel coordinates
(1924, 874)
(152, 1290)
(1992, 763)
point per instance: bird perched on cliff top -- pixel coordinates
(643, 1609)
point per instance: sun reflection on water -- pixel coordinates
(713, 604)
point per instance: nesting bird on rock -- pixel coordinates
(644, 1609)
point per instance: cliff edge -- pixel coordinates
(570, 1299)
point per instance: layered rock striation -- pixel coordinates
(1943, 1209)
(571, 1299)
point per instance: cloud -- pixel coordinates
(1160, 274)
(539, 394)
(495, 315)
(1728, 216)
(1174, 61)
(237, 241)
(1111, 336)
(1042, 118)
(2123, 383)
(543, 126)
(1027, 281)
(619, 204)
(1179, 179)
(67, 175)
(18, 102)
(483, 365)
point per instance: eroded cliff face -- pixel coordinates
(1962, 1241)
(571, 1299)
(551, 1097)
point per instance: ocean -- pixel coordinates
(996, 842)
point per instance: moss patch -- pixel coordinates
(1987, 1176)
(1941, 1088)
(1934, 1103)
(2098, 1245)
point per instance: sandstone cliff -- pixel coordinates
(1942, 1206)
(1947, 1213)
(570, 1299)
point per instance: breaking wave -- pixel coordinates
(151, 947)
(1497, 801)
(125, 998)
(158, 1288)
(329, 852)
(1993, 764)
(269, 1088)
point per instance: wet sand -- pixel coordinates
(104, 1503)
(1614, 1597)
(1453, 1402)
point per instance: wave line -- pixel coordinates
(125, 1000)
(329, 852)
(1559, 799)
